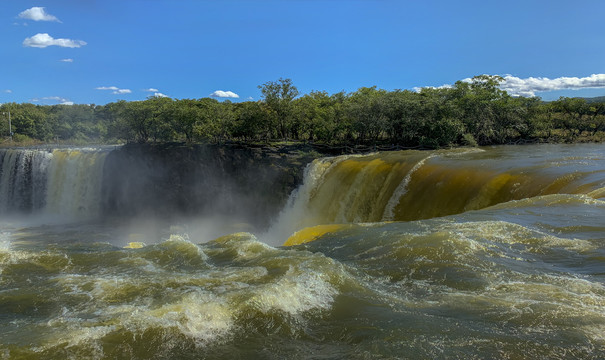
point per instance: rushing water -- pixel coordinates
(464, 254)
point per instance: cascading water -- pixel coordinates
(60, 183)
(23, 180)
(75, 182)
(414, 185)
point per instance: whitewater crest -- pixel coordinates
(178, 291)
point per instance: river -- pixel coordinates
(483, 253)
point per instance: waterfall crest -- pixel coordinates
(416, 185)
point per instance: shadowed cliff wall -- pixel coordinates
(251, 183)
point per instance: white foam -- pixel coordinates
(295, 293)
(198, 315)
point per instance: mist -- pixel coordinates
(145, 193)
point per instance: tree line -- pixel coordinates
(468, 113)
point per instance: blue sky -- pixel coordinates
(88, 51)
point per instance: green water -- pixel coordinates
(518, 278)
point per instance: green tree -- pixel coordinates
(440, 120)
(206, 127)
(366, 109)
(118, 125)
(30, 120)
(75, 122)
(569, 114)
(403, 109)
(161, 127)
(316, 116)
(250, 122)
(185, 114)
(277, 97)
(476, 99)
(137, 116)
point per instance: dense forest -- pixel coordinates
(468, 113)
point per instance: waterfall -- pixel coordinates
(416, 185)
(249, 188)
(23, 180)
(240, 185)
(349, 189)
(63, 183)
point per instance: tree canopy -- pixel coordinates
(468, 113)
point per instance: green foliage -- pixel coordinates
(470, 113)
(316, 116)
(250, 122)
(277, 100)
(23, 139)
(29, 120)
(468, 140)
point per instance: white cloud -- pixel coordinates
(8, 91)
(445, 86)
(37, 14)
(55, 98)
(224, 94)
(529, 86)
(156, 93)
(249, 98)
(67, 60)
(114, 90)
(58, 99)
(43, 40)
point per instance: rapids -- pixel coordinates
(466, 254)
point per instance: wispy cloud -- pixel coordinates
(114, 90)
(8, 91)
(67, 60)
(60, 100)
(43, 40)
(530, 86)
(224, 94)
(37, 13)
(445, 86)
(156, 93)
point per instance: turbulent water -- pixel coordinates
(464, 254)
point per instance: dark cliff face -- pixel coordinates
(173, 180)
